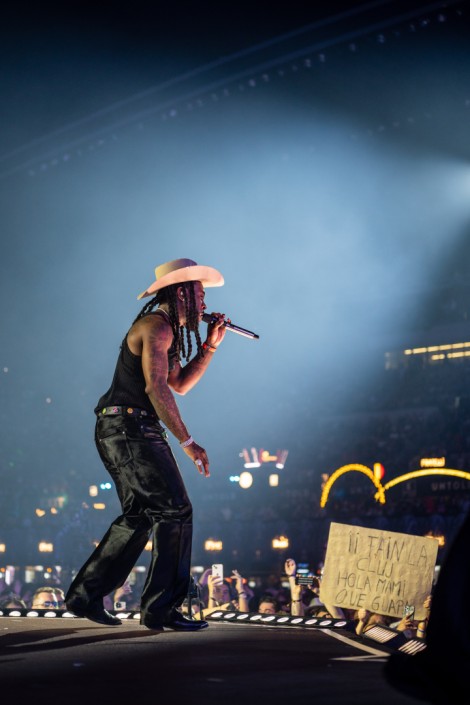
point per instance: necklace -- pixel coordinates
(162, 310)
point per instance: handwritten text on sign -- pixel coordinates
(380, 571)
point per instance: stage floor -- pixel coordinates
(74, 661)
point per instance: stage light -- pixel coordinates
(148, 546)
(440, 538)
(274, 480)
(280, 542)
(213, 545)
(246, 480)
(93, 490)
(45, 547)
(40, 512)
(412, 646)
(276, 620)
(99, 505)
(3, 548)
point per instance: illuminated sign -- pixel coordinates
(255, 458)
(348, 468)
(382, 489)
(379, 471)
(432, 462)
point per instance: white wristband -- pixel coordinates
(187, 442)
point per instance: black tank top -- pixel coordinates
(128, 385)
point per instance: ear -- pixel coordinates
(180, 292)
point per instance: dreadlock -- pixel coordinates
(168, 295)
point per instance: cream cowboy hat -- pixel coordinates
(179, 271)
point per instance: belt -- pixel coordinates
(125, 411)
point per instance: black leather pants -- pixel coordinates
(154, 502)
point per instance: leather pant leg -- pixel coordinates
(153, 499)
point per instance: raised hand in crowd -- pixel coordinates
(297, 593)
(297, 608)
(243, 591)
(411, 627)
(366, 619)
(422, 626)
(220, 594)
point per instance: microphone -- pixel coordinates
(207, 318)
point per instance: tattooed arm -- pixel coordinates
(156, 337)
(182, 379)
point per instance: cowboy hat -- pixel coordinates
(183, 270)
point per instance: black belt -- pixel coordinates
(125, 411)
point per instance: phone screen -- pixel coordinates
(218, 570)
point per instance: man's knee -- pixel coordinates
(178, 511)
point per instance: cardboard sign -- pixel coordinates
(381, 571)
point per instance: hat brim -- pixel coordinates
(208, 276)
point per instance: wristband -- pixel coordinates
(187, 442)
(207, 346)
(242, 594)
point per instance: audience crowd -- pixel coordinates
(289, 593)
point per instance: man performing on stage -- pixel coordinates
(134, 449)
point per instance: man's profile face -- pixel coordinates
(199, 295)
